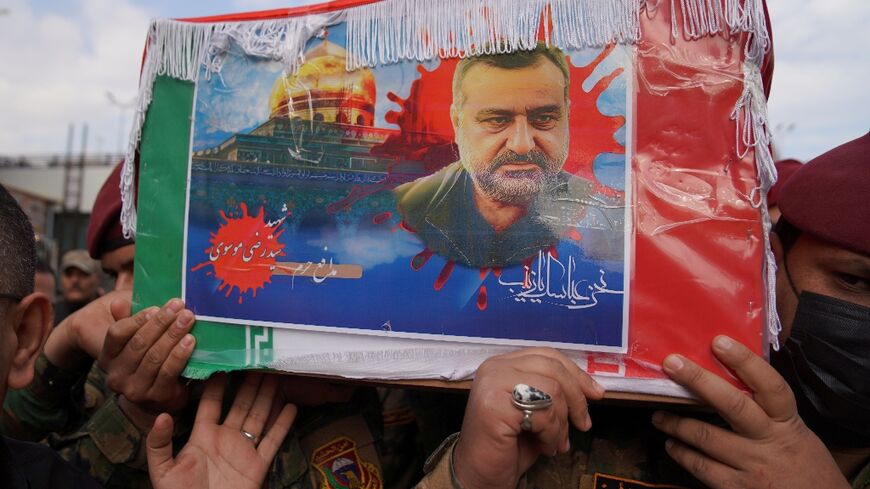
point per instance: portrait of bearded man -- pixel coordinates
(507, 197)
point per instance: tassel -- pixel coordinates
(750, 117)
(394, 30)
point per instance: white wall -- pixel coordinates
(48, 182)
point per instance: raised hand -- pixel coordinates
(77, 340)
(235, 454)
(493, 450)
(770, 446)
(143, 357)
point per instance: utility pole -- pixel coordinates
(74, 173)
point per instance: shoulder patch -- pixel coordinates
(604, 481)
(341, 466)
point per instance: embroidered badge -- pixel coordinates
(341, 466)
(603, 481)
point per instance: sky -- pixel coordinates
(65, 63)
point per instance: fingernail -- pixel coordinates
(188, 341)
(657, 418)
(174, 305)
(669, 443)
(149, 314)
(184, 319)
(673, 363)
(723, 343)
(588, 422)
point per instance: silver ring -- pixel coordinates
(249, 436)
(526, 423)
(528, 399)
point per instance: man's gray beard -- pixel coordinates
(522, 188)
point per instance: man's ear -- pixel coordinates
(33, 316)
(454, 116)
(776, 247)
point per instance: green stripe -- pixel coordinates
(164, 153)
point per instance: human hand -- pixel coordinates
(493, 450)
(219, 455)
(78, 339)
(143, 357)
(770, 446)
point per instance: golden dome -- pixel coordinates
(323, 89)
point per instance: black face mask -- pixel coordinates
(826, 361)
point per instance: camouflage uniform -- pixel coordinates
(56, 401)
(371, 442)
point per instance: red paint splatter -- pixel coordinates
(496, 271)
(243, 252)
(426, 135)
(406, 227)
(483, 273)
(575, 235)
(420, 259)
(444, 275)
(594, 131)
(382, 217)
(426, 132)
(481, 298)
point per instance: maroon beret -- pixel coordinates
(784, 170)
(829, 197)
(104, 229)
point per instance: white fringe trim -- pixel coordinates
(394, 30)
(703, 18)
(750, 117)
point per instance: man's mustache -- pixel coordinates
(535, 156)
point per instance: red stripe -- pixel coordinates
(284, 12)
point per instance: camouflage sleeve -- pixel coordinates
(94, 392)
(439, 467)
(45, 406)
(109, 447)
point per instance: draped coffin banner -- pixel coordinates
(401, 189)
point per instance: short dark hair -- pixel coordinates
(514, 61)
(17, 248)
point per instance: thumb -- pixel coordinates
(120, 308)
(159, 448)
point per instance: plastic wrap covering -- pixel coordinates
(452, 197)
